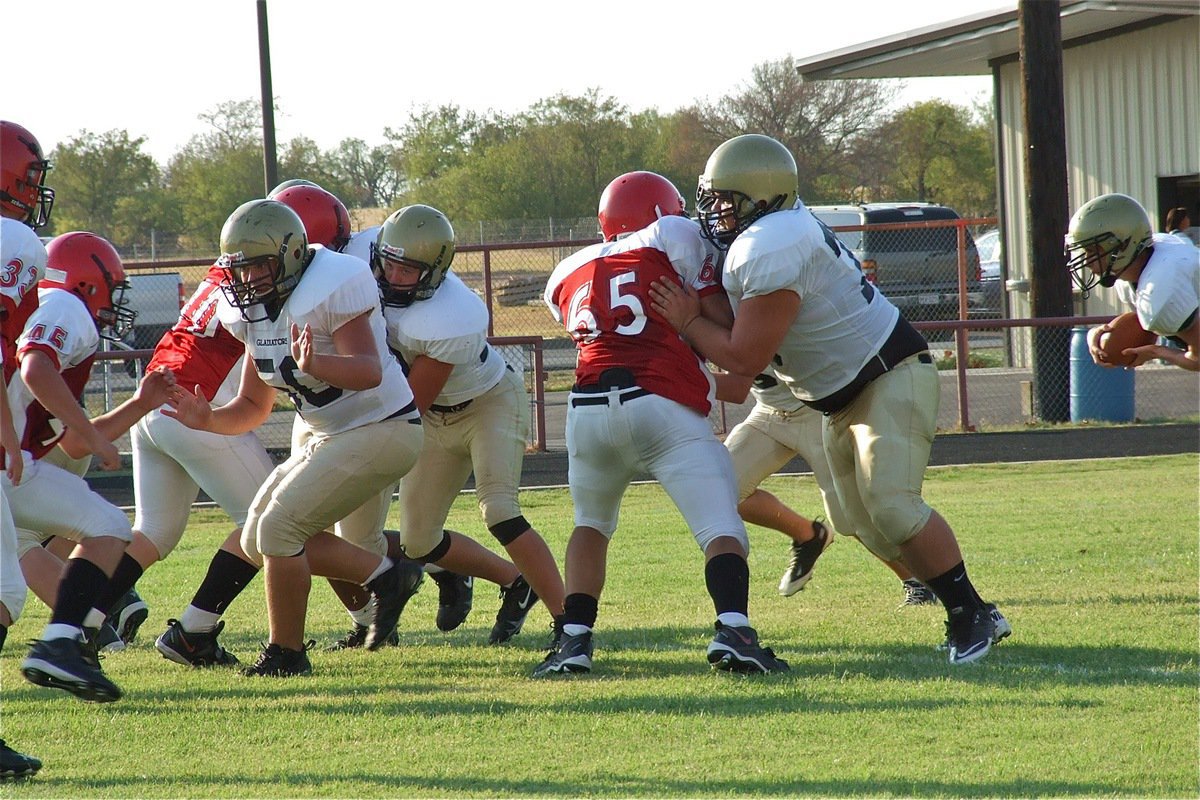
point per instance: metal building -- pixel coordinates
(1131, 94)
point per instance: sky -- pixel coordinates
(349, 68)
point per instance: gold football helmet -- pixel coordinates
(419, 236)
(1111, 230)
(745, 178)
(262, 233)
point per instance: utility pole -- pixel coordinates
(1046, 200)
(270, 165)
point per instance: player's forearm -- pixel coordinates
(740, 356)
(240, 415)
(47, 385)
(354, 372)
(112, 425)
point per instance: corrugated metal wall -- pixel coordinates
(1132, 105)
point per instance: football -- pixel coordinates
(1125, 332)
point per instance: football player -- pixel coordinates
(81, 299)
(476, 419)
(327, 223)
(25, 205)
(172, 463)
(640, 404)
(311, 325)
(800, 301)
(1111, 243)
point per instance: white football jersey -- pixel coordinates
(1167, 294)
(62, 328)
(22, 262)
(843, 320)
(450, 327)
(334, 289)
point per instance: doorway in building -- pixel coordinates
(1180, 191)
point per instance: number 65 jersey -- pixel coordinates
(602, 295)
(334, 289)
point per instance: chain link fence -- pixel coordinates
(997, 373)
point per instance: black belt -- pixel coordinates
(408, 409)
(904, 342)
(450, 409)
(602, 399)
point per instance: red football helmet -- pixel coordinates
(23, 196)
(88, 266)
(634, 200)
(325, 218)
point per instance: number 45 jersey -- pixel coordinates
(335, 288)
(602, 295)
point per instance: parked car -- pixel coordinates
(990, 245)
(917, 267)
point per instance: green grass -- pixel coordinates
(1094, 695)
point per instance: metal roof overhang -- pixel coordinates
(968, 45)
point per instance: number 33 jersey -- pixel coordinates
(602, 295)
(334, 289)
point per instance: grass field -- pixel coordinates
(1094, 695)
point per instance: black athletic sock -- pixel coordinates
(954, 588)
(82, 585)
(727, 578)
(580, 609)
(226, 577)
(127, 573)
(3, 635)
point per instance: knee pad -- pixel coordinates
(439, 550)
(507, 531)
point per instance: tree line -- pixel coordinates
(550, 160)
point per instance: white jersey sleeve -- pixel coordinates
(450, 327)
(1168, 290)
(22, 262)
(63, 327)
(692, 256)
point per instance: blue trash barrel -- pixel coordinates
(1098, 393)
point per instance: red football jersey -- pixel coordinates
(602, 295)
(198, 349)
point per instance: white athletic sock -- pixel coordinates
(196, 620)
(576, 630)
(383, 567)
(732, 619)
(94, 618)
(60, 630)
(365, 615)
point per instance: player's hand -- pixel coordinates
(679, 305)
(104, 450)
(14, 465)
(189, 407)
(302, 347)
(1093, 342)
(1150, 352)
(155, 388)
